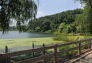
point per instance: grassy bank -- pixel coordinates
(38, 41)
(27, 42)
(70, 37)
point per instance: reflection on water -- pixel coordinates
(17, 35)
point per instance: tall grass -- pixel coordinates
(67, 37)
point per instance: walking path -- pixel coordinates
(87, 59)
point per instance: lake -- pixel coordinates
(17, 35)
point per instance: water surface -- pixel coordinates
(17, 35)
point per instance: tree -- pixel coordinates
(55, 22)
(61, 27)
(87, 2)
(88, 14)
(20, 10)
(80, 23)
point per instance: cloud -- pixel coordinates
(40, 13)
(0, 7)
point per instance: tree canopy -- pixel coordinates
(87, 15)
(20, 10)
(61, 22)
(24, 11)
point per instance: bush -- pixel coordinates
(69, 37)
(65, 37)
(61, 37)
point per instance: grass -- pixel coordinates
(11, 43)
(26, 42)
(70, 37)
(38, 41)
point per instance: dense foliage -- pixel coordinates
(60, 22)
(75, 21)
(19, 10)
(87, 16)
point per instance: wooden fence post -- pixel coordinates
(79, 49)
(44, 52)
(33, 46)
(90, 45)
(1, 58)
(5, 58)
(55, 54)
(8, 60)
(6, 49)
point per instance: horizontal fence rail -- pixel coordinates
(78, 45)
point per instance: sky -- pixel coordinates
(49, 7)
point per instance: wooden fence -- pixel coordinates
(79, 46)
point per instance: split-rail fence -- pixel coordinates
(80, 46)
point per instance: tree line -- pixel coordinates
(60, 22)
(24, 11)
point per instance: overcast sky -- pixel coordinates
(48, 7)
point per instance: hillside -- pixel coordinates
(61, 22)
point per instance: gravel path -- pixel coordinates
(87, 59)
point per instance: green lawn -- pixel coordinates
(26, 42)
(37, 41)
